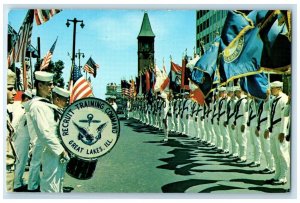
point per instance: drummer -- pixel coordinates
(42, 114)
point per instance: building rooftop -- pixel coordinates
(146, 30)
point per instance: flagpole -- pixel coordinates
(24, 75)
(31, 73)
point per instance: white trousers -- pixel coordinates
(53, 172)
(224, 135)
(35, 165)
(21, 142)
(233, 141)
(255, 144)
(266, 149)
(218, 135)
(281, 154)
(242, 141)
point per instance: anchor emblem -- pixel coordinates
(84, 133)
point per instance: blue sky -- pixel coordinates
(110, 37)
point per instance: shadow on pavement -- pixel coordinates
(219, 188)
(182, 186)
(249, 181)
(269, 190)
(67, 189)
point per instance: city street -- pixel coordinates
(141, 163)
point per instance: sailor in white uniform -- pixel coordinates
(240, 123)
(43, 119)
(22, 142)
(263, 120)
(277, 132)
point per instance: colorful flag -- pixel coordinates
(240, 46)
(125, 86)
(275, 34)
(79, 87)
(166, 81)
(18, 52)
(43, 15)
(196, 94)
(132, 90)
(48, 57)
(175, 77)
(147, 78)
(185, 74)
(91, 67)
(204, 72)
(256, 85)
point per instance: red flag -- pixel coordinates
(184, 80)
(147, 81)
(198, 96)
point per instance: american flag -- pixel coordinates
(42, 15)
(91, 67)
(48, 57)
(125, 85)
(79, 87)
(18, 51)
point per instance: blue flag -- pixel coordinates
(203, 72)
(256, 85)
(275, 35)
(240, 46)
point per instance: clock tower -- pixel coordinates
(145, 46)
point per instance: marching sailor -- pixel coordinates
(263, 120)
(240, 123)
(229, 121)
(222, 118)
(22, 142)
(277, 132)
(252, 124)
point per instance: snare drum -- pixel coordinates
(89, 128)
(81, 169)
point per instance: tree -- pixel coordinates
(57, 69)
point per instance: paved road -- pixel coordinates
(140, 163)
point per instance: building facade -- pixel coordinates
(208, 23)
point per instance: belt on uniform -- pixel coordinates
(259, 122)
(273, 123)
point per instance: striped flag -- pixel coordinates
(18, 51)
(79, 87)
(41, 15)
(91, 67)
(48, 57)
(125, 85)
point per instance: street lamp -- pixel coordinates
(75, 21)
(79, 54)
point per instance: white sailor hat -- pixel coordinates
(44, 76)
(237, 88)
(28, 93)
(276, 84)
(222, 89)
(61, 92)
(113, 97)
(230, 89)
(163, 95)
(11, 78)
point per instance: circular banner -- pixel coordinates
(89, 128)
